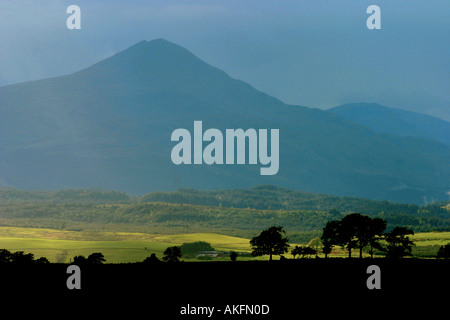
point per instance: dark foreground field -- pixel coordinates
(291, 289)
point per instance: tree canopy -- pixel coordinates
(398, 243)
(192, 248)
(303, 252)
(354, 231)
(271, 242)
(172, 254)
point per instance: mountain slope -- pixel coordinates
(395, 121)
(110, 125)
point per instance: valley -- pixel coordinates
(61, 224)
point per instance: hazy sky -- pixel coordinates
(311, 52)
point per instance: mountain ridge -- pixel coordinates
(109, 126)
(394, 121)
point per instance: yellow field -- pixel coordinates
(431, 238)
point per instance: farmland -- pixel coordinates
(61, 224)
(124, 247)
(117, 247)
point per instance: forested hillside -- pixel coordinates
(278, 198)
(240, 212)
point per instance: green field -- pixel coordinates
(61, 246)
(122, 247)
(428, 243)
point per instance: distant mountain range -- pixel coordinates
(395, 121)
(110, 126)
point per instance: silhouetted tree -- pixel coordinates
(96, 258)
(152, 259)
(233, 256)
(270, 241)
(79, 260)
(353, 231)
(444, 251)
(329, 236)
(366, 231)
(398, 242)
(303, 251)
(5, 256)
(192, 248)
(42, 260)
(19, 257)
(375, 234)
(172, 254)
(22, 258)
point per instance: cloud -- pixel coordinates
(303, 53)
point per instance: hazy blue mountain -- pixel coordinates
(110, 125)
(395, 121)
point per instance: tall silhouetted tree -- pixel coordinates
(375, 231)
(398, 243)
(354, 231)
(270, 242)
(172, 254)
(366, 231)
(329, 236)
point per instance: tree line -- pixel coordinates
(263, 197)
(353, 232)
(357, 231)
(269, 197)
(20, 257)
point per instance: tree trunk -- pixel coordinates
(360, 252)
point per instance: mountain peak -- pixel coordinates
(110, 125)
(161, 41)
(147, 60)
(154, 44)
(158, 48)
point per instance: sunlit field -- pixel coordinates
(124, 247)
